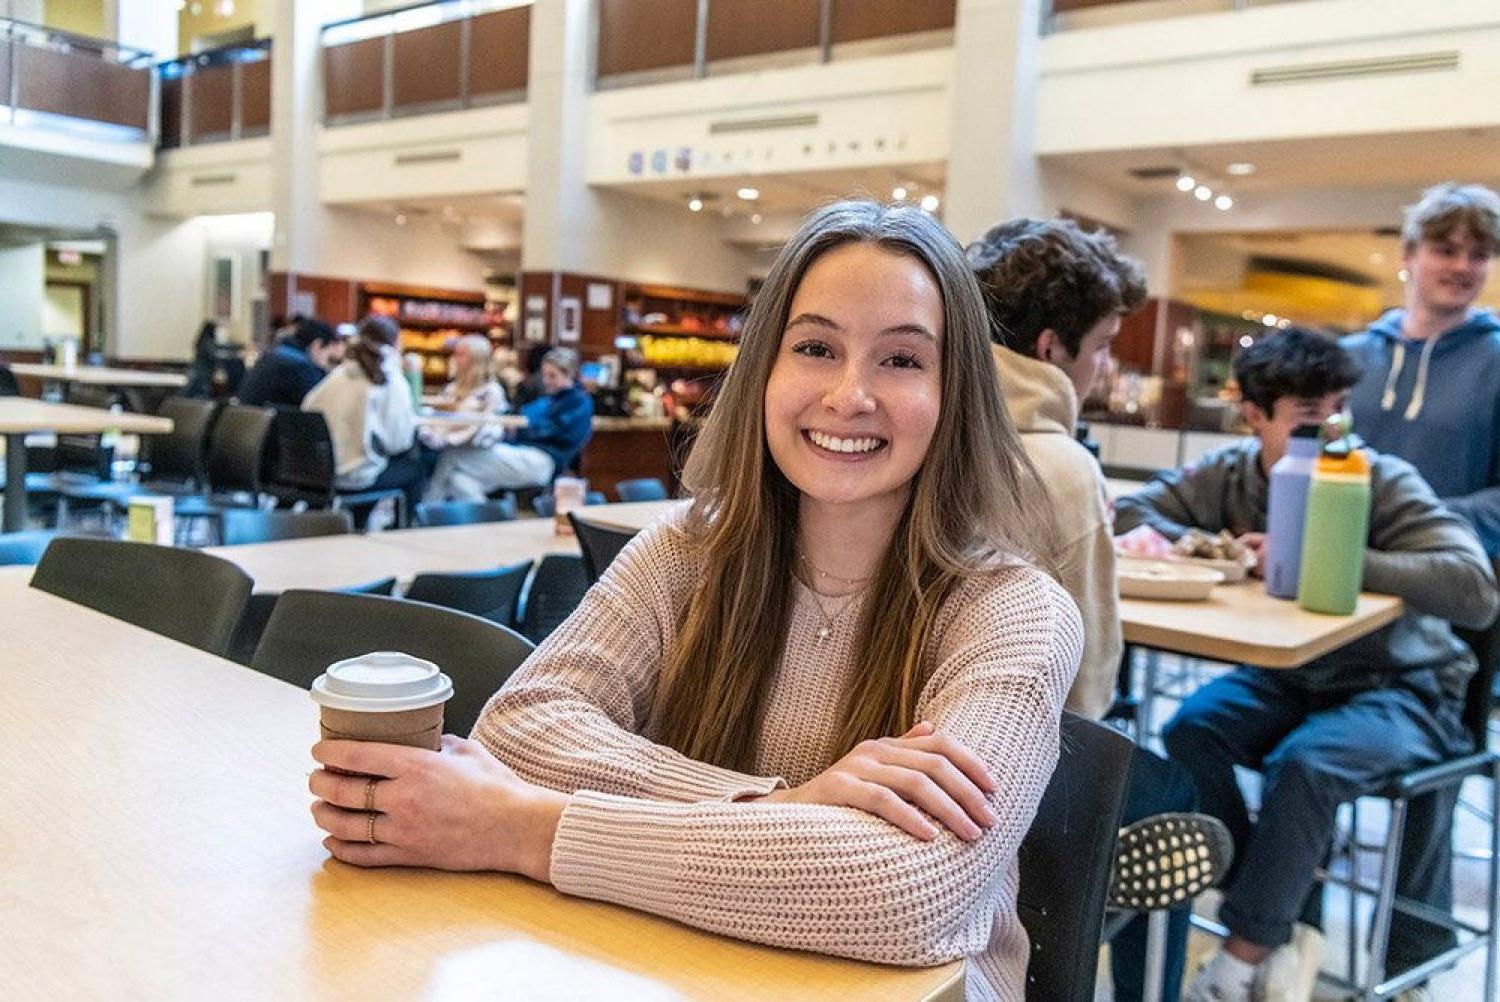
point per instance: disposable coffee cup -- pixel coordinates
(383, 696)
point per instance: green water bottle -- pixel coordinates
(1337, 529)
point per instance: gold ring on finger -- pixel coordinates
(370, 794)
(370, 828)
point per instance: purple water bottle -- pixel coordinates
(1286, 510)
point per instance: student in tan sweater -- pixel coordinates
(818, 711)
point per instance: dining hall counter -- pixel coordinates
(629, 448)
(157, 844)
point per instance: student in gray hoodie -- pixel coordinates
(1335, 728)
(1431, 387)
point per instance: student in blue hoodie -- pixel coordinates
(558, 423)
(1431, 387)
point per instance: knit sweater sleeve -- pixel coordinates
(570, 718)
(838, 880)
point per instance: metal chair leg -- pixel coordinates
(1156, 956)
(1492, 931)
(1353, 896)
(1385, 902)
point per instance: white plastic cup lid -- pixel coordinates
(381, 682)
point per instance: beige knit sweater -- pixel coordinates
(649, 828)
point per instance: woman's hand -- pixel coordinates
(899, 778)
(460, 809)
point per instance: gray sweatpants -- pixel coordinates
(468, 473)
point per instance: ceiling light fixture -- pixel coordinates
(930, 203)
(1224, 203)
(898, 193)
(1241, 169)
(755, 218)
(695, 204)
(1269, 319)
(1186, 183)
(1203, 193)
(400, 219)
(749, 194)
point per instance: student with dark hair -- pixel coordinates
(294, 365)
(1055, 295)
(1341, 725)
(371, 415)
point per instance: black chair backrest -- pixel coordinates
(1066, 858)
(644, 489)
(24, 547)
(302, 465)
(493, 595)
(237, 449)
(309, 630)
(431, 513)
(556, 589)
(186, 595)
(8, 385)
(86, 454)
(249, 525)
(183, 453)
(600, 545)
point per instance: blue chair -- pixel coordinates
(545, 506)
(644, 489)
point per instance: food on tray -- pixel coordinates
(1143, 541)
(1199, 545)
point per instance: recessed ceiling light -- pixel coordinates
(1377, 258)
(1224, 202)
(1269, 319)
(1240, 169)
(1186, 183)
(755, 218)
(898, 193)
(1246, 340)
(749, 194)
(1203, 193)
(695, 204)
(400, 219)
(930, 203)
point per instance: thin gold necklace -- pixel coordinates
(826, 630)
(830, 577)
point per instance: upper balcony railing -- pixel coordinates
(217, 95)
(644, 41)
(1065, 14)
(60, 81)
(428, 57)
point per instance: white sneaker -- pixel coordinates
(1291, 971)
(1222, 979)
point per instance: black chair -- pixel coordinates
(1066, 859)
(309, 630)
(177, 462)
(74, 461)
(556, 588)
(1376, 983)
(302, 466)
(644, 489)
(186, 595)
(545, 505)
(494, 595)
(252, 625)
(8, 385)
(430, 513)
(24, 547)
(600, 545)
(256, 526)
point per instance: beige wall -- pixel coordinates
(82, 17)
(208, 21)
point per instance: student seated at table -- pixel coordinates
(1340, 725)
(294, 365)
(820, 708)
(558, 424)
(473, 390)
(371, 417)
(1055, 296)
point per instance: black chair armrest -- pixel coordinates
(1447, 773)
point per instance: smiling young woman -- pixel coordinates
(820, 709)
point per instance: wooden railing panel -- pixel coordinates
(754, 27)
(637, 35)
(427, 66)
(857, 20)
(354, 77)
(82, 86)
(500, 51)
(255, 96)
(211, 106)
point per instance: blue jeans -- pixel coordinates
(1315, 751)
(1156, 786)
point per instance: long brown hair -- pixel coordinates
(975, 506)
(375, 332)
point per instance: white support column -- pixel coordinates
(993, 173)
(144, 24)
(560, 210)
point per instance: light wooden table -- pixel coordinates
(156, 843)
(20, 416)
(632, 516)
(99, 375)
